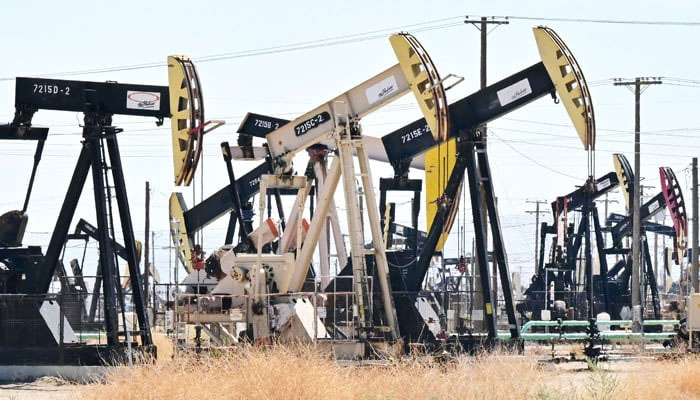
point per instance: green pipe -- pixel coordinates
(651, 322)
(609, 335)
(612, 335)
(89, 335)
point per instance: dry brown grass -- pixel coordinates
(164, 345)
(663, 380)
(301, 373)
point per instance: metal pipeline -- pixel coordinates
(610, 335)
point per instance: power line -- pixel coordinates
(671, 78)
(533, 160)
(682, 85)
(606, 21)
(332, 41)
(663, 132)
(507, 141)
(441, 23)
(571, 137)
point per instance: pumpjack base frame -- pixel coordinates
(74, 354)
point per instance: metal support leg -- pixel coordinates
(601, 258)
(415, 211)
(480, 241)
(357, 250)
(44, 275)
(231, 228)
(322, 208)
(324, 241)
(498, 246)
(341, 252)
(37, 158)
(95, 295)
(543, 237)
(651, 279)
(382, 203)
(444, 210)
(379, 250)
(235, 198)
(129, 240)
(107, 264)
(573, 248)
(293, 221)
(257, 308)
(278, 197)
(585, 220)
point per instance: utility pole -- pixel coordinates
(153, 266)
(694, 266)
(537, 213)
(636, 233)
(147, 243)
(482, 25)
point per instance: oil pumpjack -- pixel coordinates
(557, 73)
(566, 285)
(33, 327)
(335, 124)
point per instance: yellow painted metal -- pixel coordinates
(439, 162)
(569, 82)
(424, 81)
(427, 87)
(180, 114)
(624, 180)
(187, 117)
(139, 249)
(178, 230)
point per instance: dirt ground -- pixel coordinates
(44, 388)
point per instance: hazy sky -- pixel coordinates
(535, 154)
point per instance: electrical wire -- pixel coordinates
(424, 26)
(332, 41)
(663, 132)
(577, 148)
(523, 236)
(533, 160)
(605, 21)
(570, 137)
